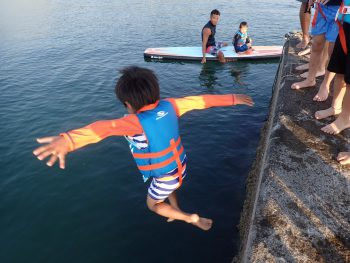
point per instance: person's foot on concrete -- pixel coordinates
(304, 52)
(343, 158)
(303, 84)
(318, 74)
(303, 44)
(321, 114)
(340, 124)
(322, 93)
(303, 67)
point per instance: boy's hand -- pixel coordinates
(204, 60)
(57, 147)
(243, 99)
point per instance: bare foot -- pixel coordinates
(304, 52)
(303, 67)
(318, 74)
(322, 93)
(321, 114)
(303, 84)
(343, 158)
(303, 44)
(337, 126)
(201, 222)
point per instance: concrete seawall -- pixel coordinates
(298, 196)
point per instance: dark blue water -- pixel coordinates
(59, 63)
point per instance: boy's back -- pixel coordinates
(155, 122)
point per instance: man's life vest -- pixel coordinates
(165, 151)
(211, 38)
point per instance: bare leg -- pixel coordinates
(221, 57)
(166, 210)
(326, 53)
(343, 120)
(339, 91)
(323, 91)
(174, 203)
(317, 48)
(305, 23)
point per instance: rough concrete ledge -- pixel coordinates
(298, 196)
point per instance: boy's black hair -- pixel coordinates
(138, 86)
(244, 23)
(215, 12)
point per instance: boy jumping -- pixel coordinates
(153, 134)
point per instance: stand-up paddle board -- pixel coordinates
(195, 53)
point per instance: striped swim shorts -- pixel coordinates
(161, 188)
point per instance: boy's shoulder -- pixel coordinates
(237, 35)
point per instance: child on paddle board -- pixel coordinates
(152, 131)
(241, 41)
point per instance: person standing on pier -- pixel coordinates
(324, 28)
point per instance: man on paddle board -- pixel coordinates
(208, 38)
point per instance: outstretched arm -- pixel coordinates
(186, 104)
(206, 33)
(57, 147)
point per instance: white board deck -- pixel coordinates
(195, 53)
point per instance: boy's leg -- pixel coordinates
(331, 37)
(166, 210)
(343, 120)
(323, 91)
(173, 200)
(321, 70)
(339, 91)
(304, 23)
(316, 51)
(174, 203)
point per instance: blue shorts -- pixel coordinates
(241, 48)
(326, 26)
(161, 188)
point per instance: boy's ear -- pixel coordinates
(129, 107)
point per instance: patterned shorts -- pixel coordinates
(213, 50)
(161, 188)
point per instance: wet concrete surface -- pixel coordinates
(298, 196)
